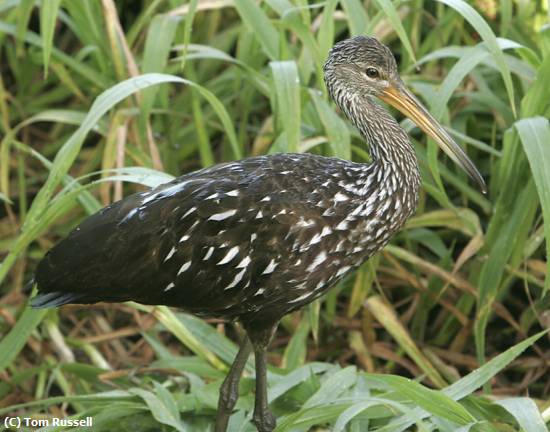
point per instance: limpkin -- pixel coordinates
(253, 240)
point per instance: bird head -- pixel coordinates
(362, 67)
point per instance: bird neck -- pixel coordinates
(390, 147)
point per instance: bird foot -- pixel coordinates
(264, 421)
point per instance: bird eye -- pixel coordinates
(372, 72)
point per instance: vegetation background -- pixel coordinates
(102, 98)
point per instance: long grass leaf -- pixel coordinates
(526, 412)
(534, 134)
(435, 402)
(337, 132)
(48, 19)
(356, 15)
(96, 78)
(256, 20)
(160, 411)
(286, 103)
(24, 14)
(157, 49)
(15, 340)
(391, 323)
(469, 383)
(458, 72)
(395, 21)
(484, 30)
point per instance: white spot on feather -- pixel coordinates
(168, 191)
(238, 277)
(223, 215)
(357, 210)
(342, 270)
(342, 226)
(234, 192)
(209, 253)
(302, 223)
(244, 262)
(302, 297)
(169, 286)
(315, 239)
(188, 212)
(339, 246)
(172, 252)
(340, 197)
(184, 267)
(318, 260)
(231, 253)
(184, 238)
(270, 267)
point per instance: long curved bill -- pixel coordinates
(403, 100)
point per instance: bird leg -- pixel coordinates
(262, 418)
(229, 390)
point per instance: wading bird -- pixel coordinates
(253, 240)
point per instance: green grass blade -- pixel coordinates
(357, 16)
(188, 27)
(337, 132)
(435, 402)
(468, 384)
(395, 21)
(325, 35)
(183, 333)
(157, 49)
(513, 231)
(333, 387)
(286, 103)
(455, 76)
(480, 376)
(82, 69)
(386, 316)
(481, 26)
(352, 412)
(296, 350)
(15, 340)
(23, 16)
(162, 412)
(67, 154)
(534, 134)
(526, 413)
(70, 150)
(295, 378)
(258, 22)
(48, 18)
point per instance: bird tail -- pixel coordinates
(53, 299)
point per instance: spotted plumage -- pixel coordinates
(255, 239)
(235, 241)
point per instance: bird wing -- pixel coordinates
(212, 242)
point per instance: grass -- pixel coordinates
(440, 331)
